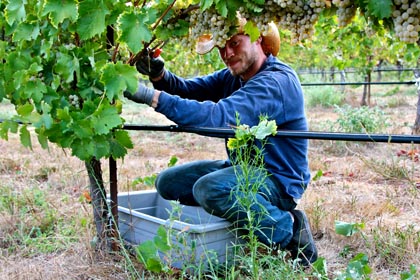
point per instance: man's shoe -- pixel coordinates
(302, 245)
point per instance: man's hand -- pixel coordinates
(143, 95)
(151, 66)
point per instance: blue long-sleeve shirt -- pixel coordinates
(214, 100)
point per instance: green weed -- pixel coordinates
(360, 120)
(389, 168)
(394, 246)
(318, 213)
(325, 96)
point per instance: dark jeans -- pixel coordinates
(213, 185)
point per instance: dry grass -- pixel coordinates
(363, 183)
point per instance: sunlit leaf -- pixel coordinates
(117, 78)
(59, 10)
(15, 11)
(252, 30)
(123, 138)
(91, 20)
(105, 120)
(25, 109)
(26, 31)
(205, 4)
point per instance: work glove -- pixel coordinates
(150, 65)
(143, 95)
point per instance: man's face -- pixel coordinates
(240, 55)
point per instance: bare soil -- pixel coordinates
(369, 183)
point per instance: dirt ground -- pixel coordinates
(370, 183)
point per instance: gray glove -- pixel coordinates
(150, 66)
(143, 95)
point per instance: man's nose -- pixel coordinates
(228, 52)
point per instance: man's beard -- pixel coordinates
(248, 61)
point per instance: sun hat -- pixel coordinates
(270, 40)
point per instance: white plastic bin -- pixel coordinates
(141, 213)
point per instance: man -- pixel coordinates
(255, 83)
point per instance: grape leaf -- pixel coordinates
(83, 149)
(102, 147)
(106, 119)
(25, 137)
(36, 89)
(46, 120)
(7, 126)
(26, 31)
(63, 114)
(222, 8)
(117, 78)
(66, 65)
(233, 6)
(15, 11)
(135, 30)
(252, 30)
(25, 109)
(59, 10)
(91, 21)
(122, 137)
(82, 129)
(42, 138)
(120, 144)
(117, 151)
(380, 8)
(205, 4)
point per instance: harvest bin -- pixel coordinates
(207, 237)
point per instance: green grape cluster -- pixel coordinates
(298, 17)
(406, 18)
(74, 100)
(209, 22)
(345, 12)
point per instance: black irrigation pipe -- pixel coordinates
(359, 83)
(226, 133)
(328, 72)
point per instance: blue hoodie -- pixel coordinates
(213, 101)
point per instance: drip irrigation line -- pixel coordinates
(226, 133)
(329, 72)
(359, 83)
(317, 135)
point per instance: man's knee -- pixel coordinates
(201, 191)
(163, 184)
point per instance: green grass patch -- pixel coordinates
(325, 96)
